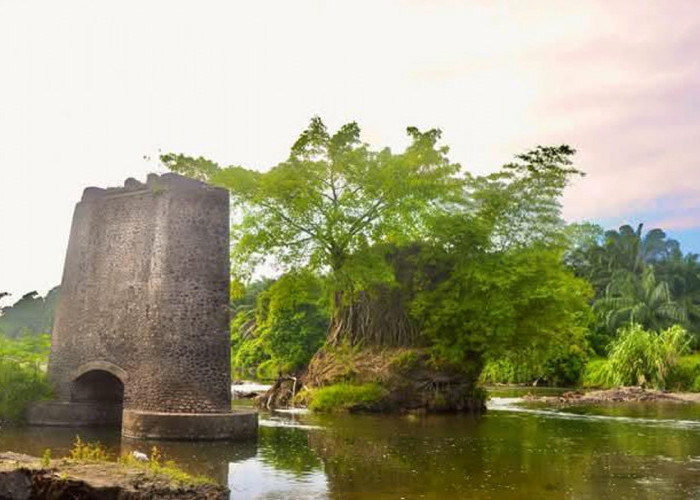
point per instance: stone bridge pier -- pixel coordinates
(141, 334)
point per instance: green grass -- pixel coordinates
(168, 468)
(685, 376)
(22, 374)
(84, 452)
(343, 397)
(595, 374)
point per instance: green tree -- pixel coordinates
(631, 298)
(496, 279)
(521, 202)
(632, 250)
(333, 199)
(501, 302)
(587, 256)
(284, 328)
(682, 273)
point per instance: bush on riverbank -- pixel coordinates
(344, 397)
(685, 376)
(22, 375)
(561, 365)
(640, 357)
(278, 326)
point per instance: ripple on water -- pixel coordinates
(516, 405)
(285, 422)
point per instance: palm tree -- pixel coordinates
(628, 249)
(682, 273)
(631, 298)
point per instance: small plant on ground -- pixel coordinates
(406, 361)
(46, 458)
(87, 452)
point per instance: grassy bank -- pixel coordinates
(22, 375)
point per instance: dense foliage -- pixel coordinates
(22, 374)
(638, 277)
(402, 248)
(330, 203)
(278, 325)
(642, 357)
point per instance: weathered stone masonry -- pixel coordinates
(142, 317)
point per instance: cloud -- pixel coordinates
(619, 83)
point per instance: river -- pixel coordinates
(514, 451)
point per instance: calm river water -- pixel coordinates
(633, 451)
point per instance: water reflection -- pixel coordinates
(255, 479)
(597, 453)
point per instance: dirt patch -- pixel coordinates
(611, 396)
(23, 477)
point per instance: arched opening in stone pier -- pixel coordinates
(102, 394)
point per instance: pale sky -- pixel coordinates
(87, 89)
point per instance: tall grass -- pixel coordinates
(644, 358)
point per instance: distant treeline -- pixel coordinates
(32, 314)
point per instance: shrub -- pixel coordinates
(684, 374)
(507, 371)
(278, 326)
(560, 364)
(595, 373)
(565, 366)
(645, 358)
(22, 375)
(342, 397)
(405, 361)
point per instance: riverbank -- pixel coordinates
(25, 477)
(616, 395)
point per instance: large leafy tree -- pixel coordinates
(494, 280)
(522, 201)
(332, 201)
